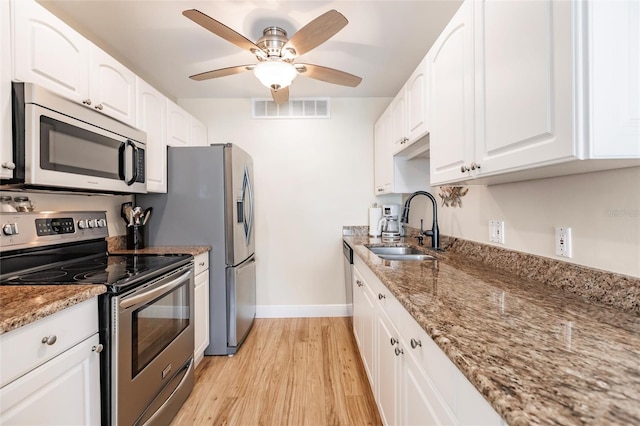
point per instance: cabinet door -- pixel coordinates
(416, 91)
(398, 122)
(383, 159)
(198, 136)
(388, 369)
(64, 390)
(6, 146)
(201, 310)
(152, 118)
(450, 70)
(524, 90)
(364, 317)
(614, 67)
(48, 52)
(178, 125)
(112, 87)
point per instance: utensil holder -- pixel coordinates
(137, 237)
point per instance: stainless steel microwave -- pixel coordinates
(61, 144)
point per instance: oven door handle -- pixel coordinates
(152, 294)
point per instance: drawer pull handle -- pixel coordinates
(381, 296)
(98, 348)
(359, 283)
(49, 340)
(394, 341)
(201, 263)
(398, 351)
(415, 343)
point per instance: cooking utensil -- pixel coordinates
(147, 215)
(125, 209)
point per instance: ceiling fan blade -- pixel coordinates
(222, 72)
(329, 75)
(280, 96)
(316, 32)
(220, 29)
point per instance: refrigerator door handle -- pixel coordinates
(246, 219)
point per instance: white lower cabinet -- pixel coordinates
(413, 380)
(201, 306)
(50, 372)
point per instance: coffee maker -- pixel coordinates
(389, 226)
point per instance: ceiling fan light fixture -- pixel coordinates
(275, 74)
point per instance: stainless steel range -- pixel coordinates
(146, 316)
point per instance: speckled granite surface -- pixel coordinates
(539, 355)
(118, 245)
(21, 305)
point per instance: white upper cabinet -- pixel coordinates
(409, 110)
(112, 87)
(523, 71)
(198, 133)
(48, 52)
(178, 125)
(450, 71)
(6, 145)
(51, 54)
(383, 159)
(552, 83)
(614, 90)
(152, 118)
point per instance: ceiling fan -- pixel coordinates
(275, 53)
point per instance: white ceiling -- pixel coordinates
(383, 42)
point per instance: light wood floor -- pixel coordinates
(295, 371)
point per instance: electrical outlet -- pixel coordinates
(563, 241)
(496, 231)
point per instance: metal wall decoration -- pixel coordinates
(451, 195)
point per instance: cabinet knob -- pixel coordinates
(98, 348)
(415, 343)
(9, 165)
(99, 107)
(475, 165)
(394, 341)
(380, 189)
(381, 296)
(359, 283)
(49, 340)
(398, 351)
(87, 101)
(464, 169)
(201, 263)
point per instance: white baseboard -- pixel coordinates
(303, 311)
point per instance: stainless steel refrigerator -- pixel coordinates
(210, 202)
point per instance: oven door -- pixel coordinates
(65, 152)
(153, 350)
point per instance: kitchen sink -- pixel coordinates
(400, 253)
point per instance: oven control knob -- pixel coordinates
(92, 223)
(102, 223)
(10, 229)
(82, 224)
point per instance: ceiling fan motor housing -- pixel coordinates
(272, 41)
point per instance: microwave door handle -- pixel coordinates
(122, 167)
(134, 164)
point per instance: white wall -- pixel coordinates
(312, 176)
(603, 210)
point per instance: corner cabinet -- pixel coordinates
(182, 128)
(55, 379)
(201, 306)
(524, 90)
(412, 379)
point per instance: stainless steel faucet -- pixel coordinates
(434, 232)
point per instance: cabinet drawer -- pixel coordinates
(22, 350)
(201, 262)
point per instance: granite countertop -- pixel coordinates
(21, 305)
(538, 354)
(192, 250)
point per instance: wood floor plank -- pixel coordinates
(294, 371)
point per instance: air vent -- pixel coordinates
(294, 108)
